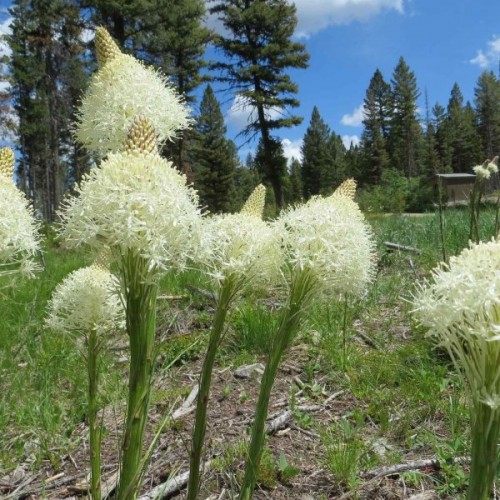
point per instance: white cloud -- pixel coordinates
(87, 35)
(315, 15)
(241, 112)
(355, 119)
(490, 57)
(292, 149)
(350, 139)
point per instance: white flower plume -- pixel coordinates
(330, 237)
(120, 90)
(139, 204)
(86, 300)
(19, 236)
(242, 246)
(461, 308)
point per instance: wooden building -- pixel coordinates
(457, 187)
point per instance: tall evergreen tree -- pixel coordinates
(176, 44)
(317, 161)
(338, 173)
(443, 138)
(405, 133)
(271, 164)
(464, 141)
(214, 161)
(487, 101)
(376, 129)
(259, 51)
(296, 185)
(46, 46)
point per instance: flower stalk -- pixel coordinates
(227, 292)
(301, 292)
(94, 427)
(140, 299)
(485, 432)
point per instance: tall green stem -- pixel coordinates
(441, 220)
(94, 427)
(226, 295)
(485, 433)
(300, 294)
(140, 297)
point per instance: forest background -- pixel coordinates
(402, 137)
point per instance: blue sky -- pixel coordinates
(443, 41)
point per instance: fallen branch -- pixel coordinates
(180, 481)
(389, 470)
(413, 465)
(367, 340)
(401, 248)
(172, 486)
(187, 407)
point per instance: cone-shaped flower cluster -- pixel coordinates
(87, 300)
(330, 237)
(122, 89)
(136, 202)
(347, 189)
(462, 309)
(243, 245)
(19, 239)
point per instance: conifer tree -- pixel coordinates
(296, 186)
(443, 138)
(317, 160)
(464, 141)
(271, 164)
(259, 52)
(487, 102)
(376, 129)
(405, 133)
(176, 44)
(337, 174)
(214, 161)
(46, 49)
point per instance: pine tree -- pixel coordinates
(376, 129)
(337, 174)
(259, 51)
(296, 186)
(405, 133)
(176, 44)
(317, 160)
(273, 156)
(443, 138)
(246, 179)
(487, 102)
(214, 162)
(46, 46)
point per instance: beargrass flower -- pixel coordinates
(86, 305)
(19, 238)
(87, 300)
(244, 254)
(461, 308)
(482, 172)
(120, 90)
(136, 202)
(493, 165)
(331, 237)
(328, 252)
